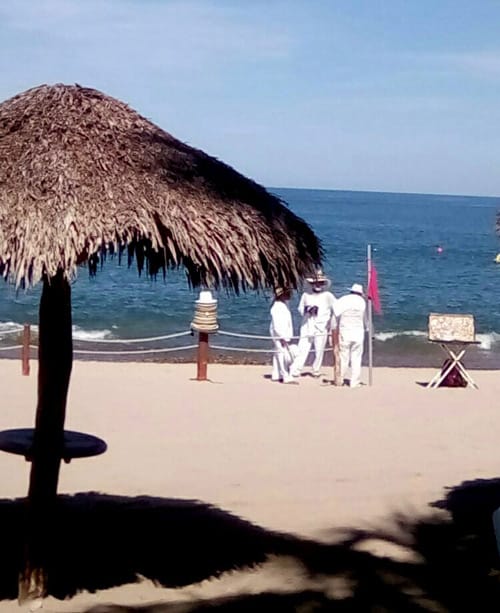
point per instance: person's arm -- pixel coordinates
(335, 317)
(329, 308)
(302, 304)
(338, 307)
(334, 320)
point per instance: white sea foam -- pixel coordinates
(89, 335)
(8, 328)
(388, 336)
(486, 340)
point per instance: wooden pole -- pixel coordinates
(55, 357)
(25, 352)
(202, 356)
(370, 319)
(337, 379)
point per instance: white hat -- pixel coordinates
(319, 277)
(357, 288)
(206, 298)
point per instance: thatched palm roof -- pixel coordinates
(80, 170)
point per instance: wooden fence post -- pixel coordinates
(202, 356)
(25, 351)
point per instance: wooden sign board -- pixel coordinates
(447, 327)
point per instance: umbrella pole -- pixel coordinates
(55, 356)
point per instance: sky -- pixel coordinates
(378, 95)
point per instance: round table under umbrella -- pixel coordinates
(82, 174)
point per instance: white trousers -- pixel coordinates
(304, 347)
(282, 360)
(351, 352)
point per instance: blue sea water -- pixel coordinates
(414, 279)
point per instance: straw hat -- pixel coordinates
(319, 277)
(357, 288)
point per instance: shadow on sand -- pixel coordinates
(104, 541)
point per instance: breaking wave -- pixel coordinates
(89, 335)
(7, 328)
(486, 340)
(388, 336)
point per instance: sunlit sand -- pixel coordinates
(307, 459)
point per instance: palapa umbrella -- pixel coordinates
(82, 173)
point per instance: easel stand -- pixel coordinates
(455, 350)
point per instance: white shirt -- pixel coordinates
(281, 321)
(316, 324)
(351, 310)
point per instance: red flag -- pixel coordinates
(373, 294)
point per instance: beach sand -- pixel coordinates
(308, 459)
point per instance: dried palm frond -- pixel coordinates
(81, 173)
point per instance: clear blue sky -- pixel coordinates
(388, 95)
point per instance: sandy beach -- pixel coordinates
(308, 460)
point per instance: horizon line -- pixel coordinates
(375, 191)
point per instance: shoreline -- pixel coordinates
(397, 349)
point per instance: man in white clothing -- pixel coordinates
(281, 330)
(351, 313)
(316, 308)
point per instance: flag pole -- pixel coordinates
(370, 319)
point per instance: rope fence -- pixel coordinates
(254, 336)
(202, 346)
(135, 352)
(14, 331)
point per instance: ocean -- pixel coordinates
(415, 279)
